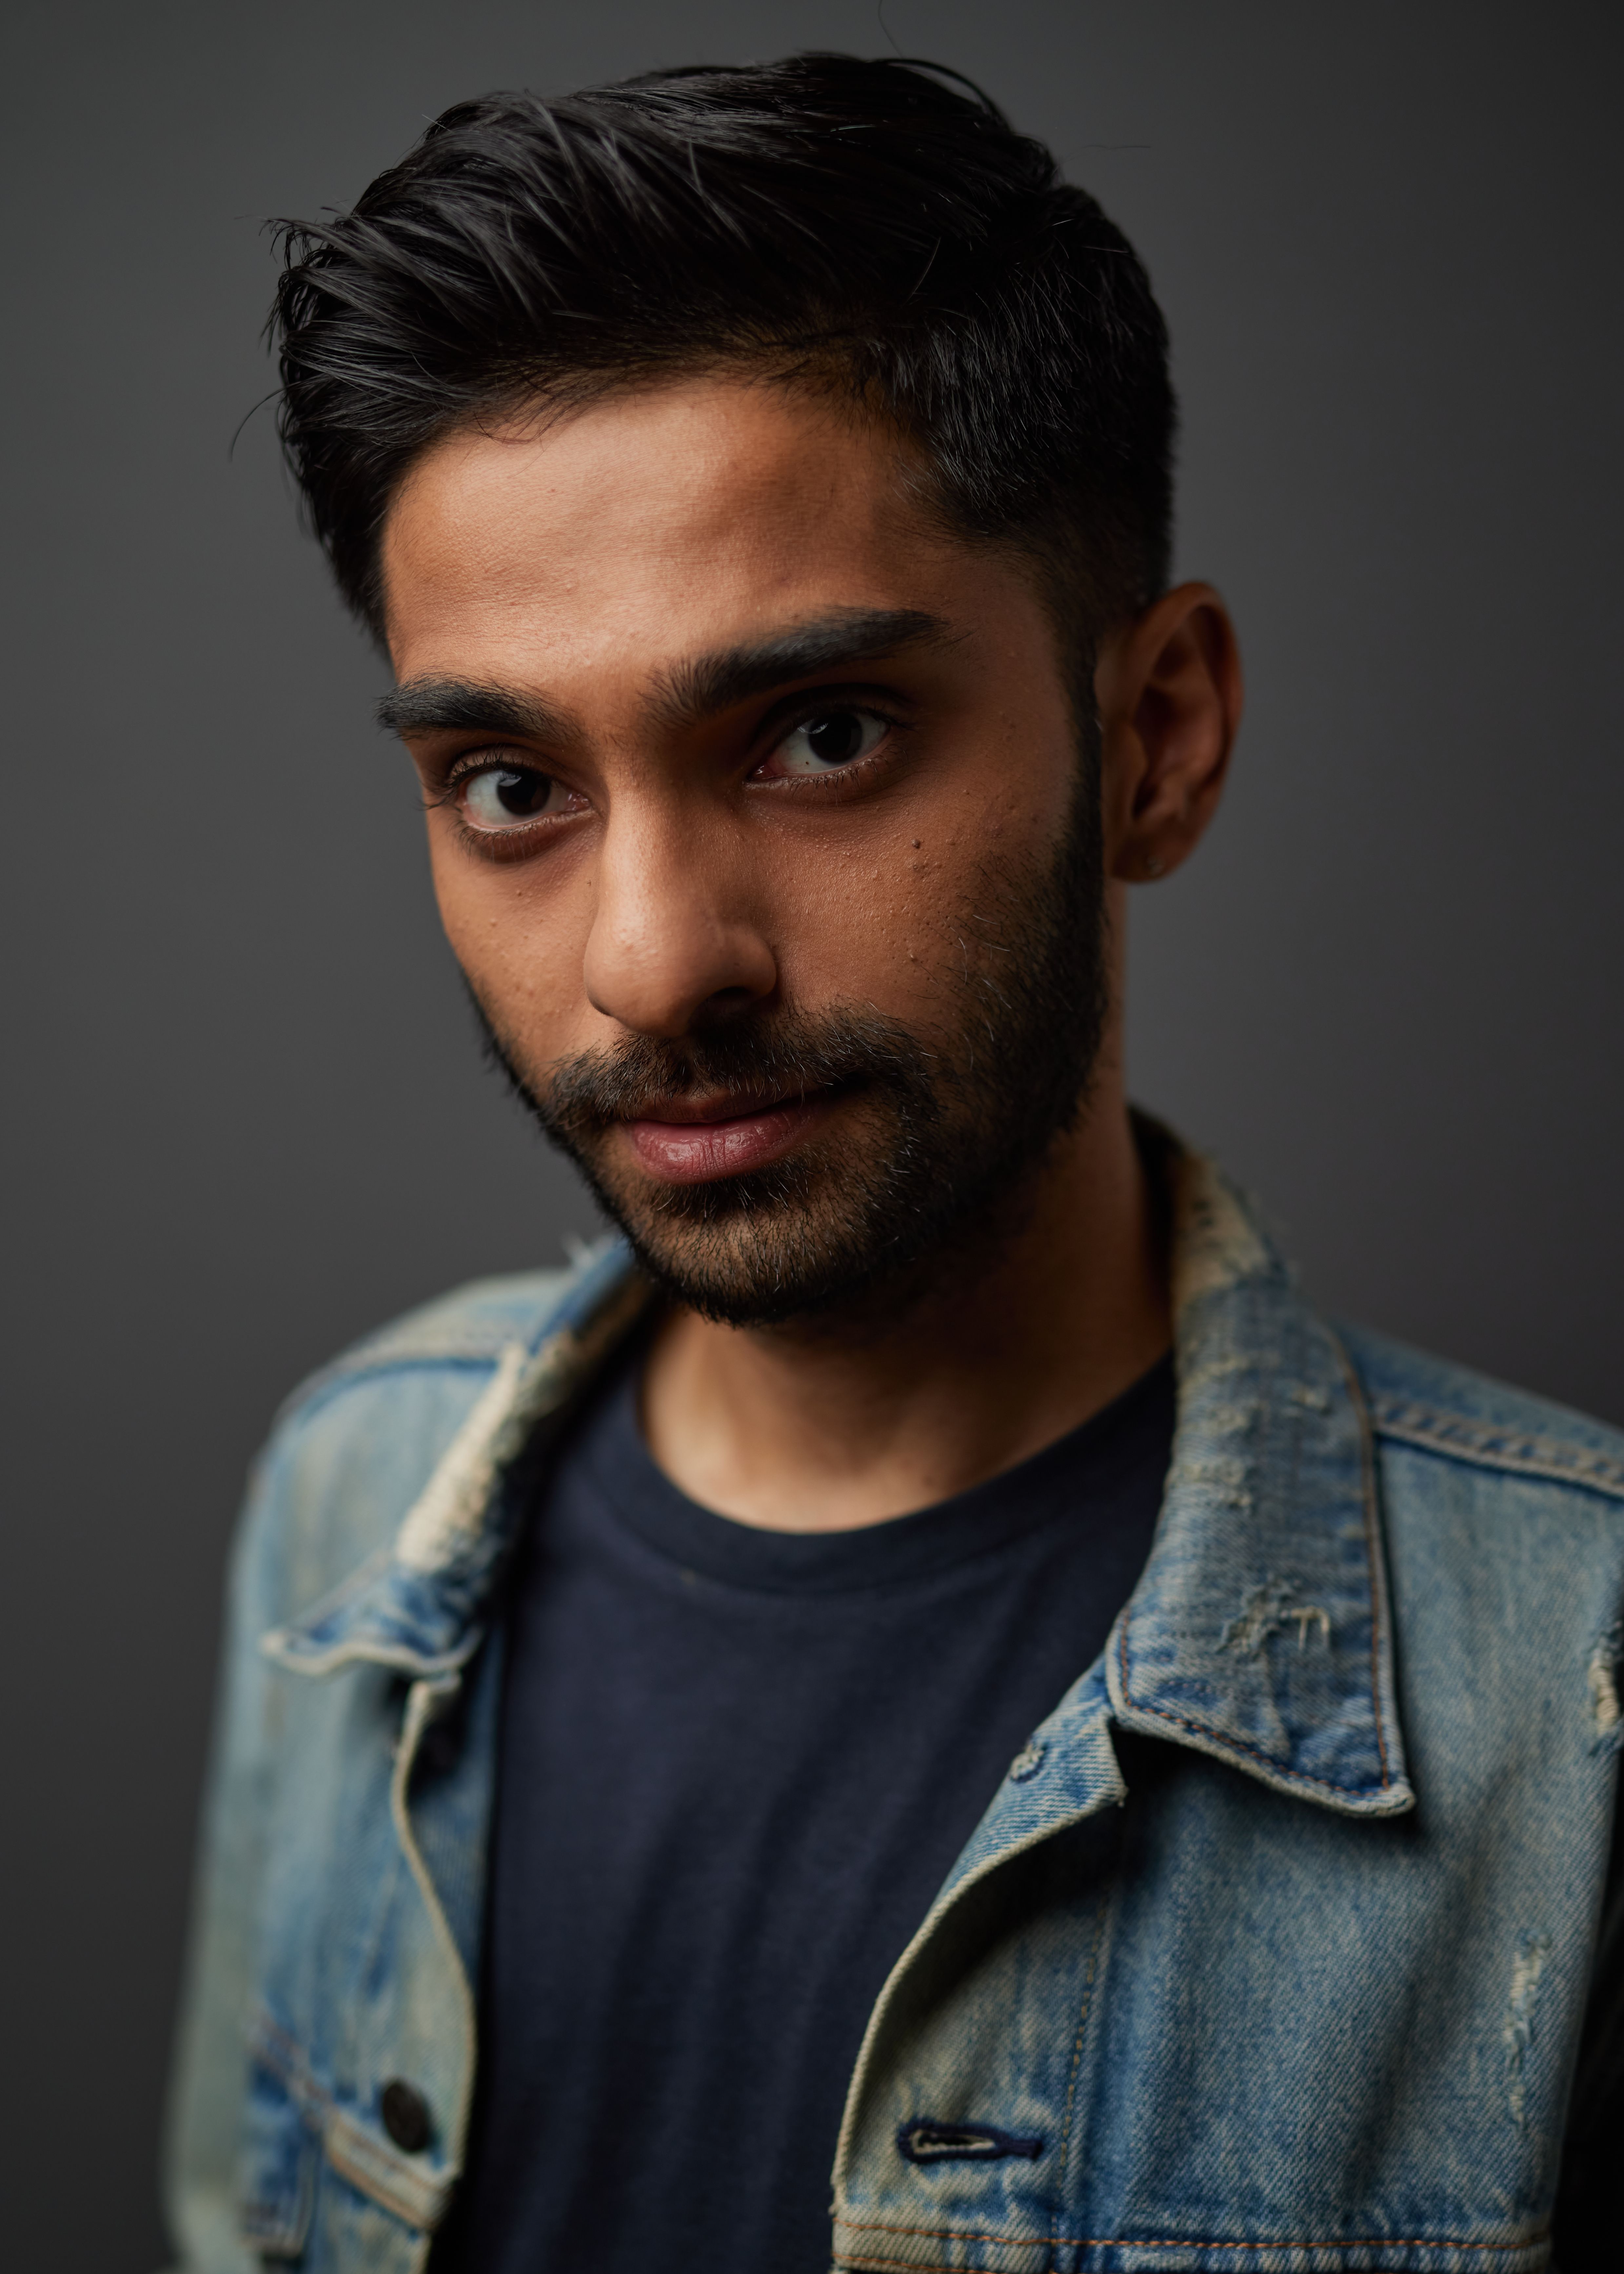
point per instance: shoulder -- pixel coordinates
(1503, 1520)
(466, 1330)
(1448, 1413)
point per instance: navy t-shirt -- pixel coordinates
(735, 1766)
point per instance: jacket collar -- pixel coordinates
(1259, 1631)
(421, 1604)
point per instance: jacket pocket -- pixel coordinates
(279, 2155)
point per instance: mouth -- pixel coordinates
(698, 1140)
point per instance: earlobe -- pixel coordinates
(1169, 693)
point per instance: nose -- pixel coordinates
(672, 940)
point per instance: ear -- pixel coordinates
(1168, 690)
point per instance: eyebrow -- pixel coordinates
(708, 684)
(420, 707)
(681, 696)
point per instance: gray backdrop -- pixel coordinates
(250, 1120)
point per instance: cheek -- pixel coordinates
(884, 920)
(962, 858)
(519, 939)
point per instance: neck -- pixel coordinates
(803, 1429)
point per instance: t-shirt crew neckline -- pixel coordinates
(899, 1550)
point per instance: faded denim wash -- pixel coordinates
(1271, 1950)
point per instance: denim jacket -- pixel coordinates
(1279, 1947)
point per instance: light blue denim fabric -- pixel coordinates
(1271, 1950)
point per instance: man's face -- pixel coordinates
(760, 827)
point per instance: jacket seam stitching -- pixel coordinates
(845, 2258)
(1457, 1436)
(322, 1389)
(354, 2158)
(389, 1361)
(1190, 2241)
(1076, 2048)
(849, 2259)
(273, 2045)
(321, 2114)
(1233, 1745)
(1367, 1467)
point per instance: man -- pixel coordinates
(924, 1657)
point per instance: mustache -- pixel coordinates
(786, 1055)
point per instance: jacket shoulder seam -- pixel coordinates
(459, 1344)
(1496, 1445)
(321, 1388)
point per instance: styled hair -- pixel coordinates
(821, 219)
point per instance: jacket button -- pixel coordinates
(406, 2115)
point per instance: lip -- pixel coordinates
(698, 1142)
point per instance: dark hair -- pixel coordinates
(823, 218)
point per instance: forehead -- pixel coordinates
(651, 524)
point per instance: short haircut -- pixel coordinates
(821, 219)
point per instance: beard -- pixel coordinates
(938, 1136)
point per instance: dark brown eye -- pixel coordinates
(501, 797)
(520, 793)
(828, 739)
(836, 738)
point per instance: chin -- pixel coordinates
(748, 1253)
